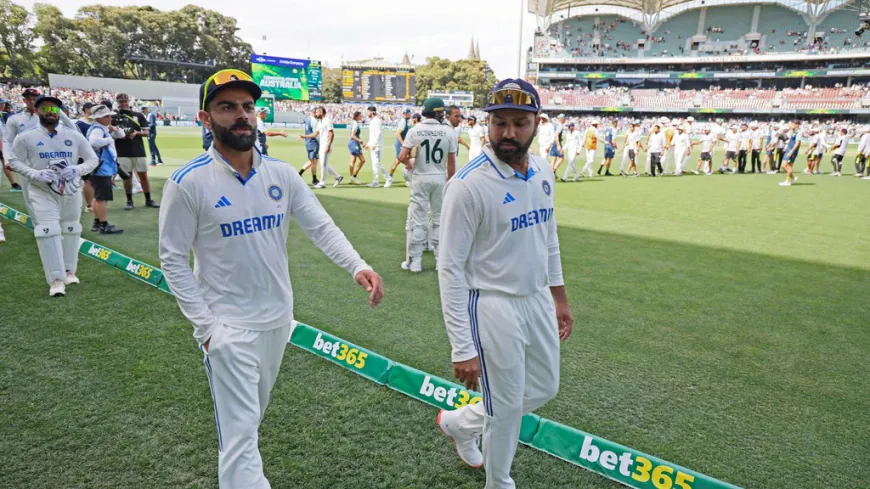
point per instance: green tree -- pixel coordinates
(331, 85)
(465, 74)
(16, 40)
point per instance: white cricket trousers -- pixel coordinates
(325, 166)
(57, 227)
(570, 156)
(427, 194)
(680, 159)
(517, 341)
(242, 366)
(377, 167)
(590, 160)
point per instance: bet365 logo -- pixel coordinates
(99, 253)
(139, 270)
(452, 397)
(637, 467)
(341, 351)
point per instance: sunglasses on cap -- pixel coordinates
(49, 109)
(220, 78)
(513, 96)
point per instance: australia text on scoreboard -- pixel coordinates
(288, 78)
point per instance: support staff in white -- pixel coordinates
(374, 146)
(325, 136)
(839, 152)
(572, 145)
(434, 164)
(502, 292)
(232, 207)
(475, 138)
(47, 157)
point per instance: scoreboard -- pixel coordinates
(377, 84)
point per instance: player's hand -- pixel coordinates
(468, 372)
(69, 173)
(45, 176)
(565, 320)
(300, 137)
(205, 345)
(283, 134)
(373, 284)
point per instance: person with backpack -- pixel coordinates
(101, 137)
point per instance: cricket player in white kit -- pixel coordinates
(434, 164)
(232, 208)
(374, 146)
(325, 135)
(502, 293)
(47, 156)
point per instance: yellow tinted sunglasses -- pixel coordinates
(222, 77)
(513, 96)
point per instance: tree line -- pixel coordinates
(118, 42)
(185, 45)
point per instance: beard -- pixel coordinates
(48, 120)
(512, 150)
(237, 142)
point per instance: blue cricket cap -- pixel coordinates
(514, 93)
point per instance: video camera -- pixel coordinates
(864, 19)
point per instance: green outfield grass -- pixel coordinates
(721, 324)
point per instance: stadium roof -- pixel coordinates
(544, 8)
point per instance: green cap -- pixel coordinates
(433, 105)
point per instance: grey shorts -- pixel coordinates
(128, 164)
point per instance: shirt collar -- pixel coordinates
(215, 154)
(47, 132)
(506, 171)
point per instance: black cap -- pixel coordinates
(207, 93)
(30, 92)
(45, 98)
(372, 108)
(88, 105)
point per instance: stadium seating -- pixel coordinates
(782, 29)
(675, 32)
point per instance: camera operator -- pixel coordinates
(131, 149)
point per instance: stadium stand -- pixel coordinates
(674, 34)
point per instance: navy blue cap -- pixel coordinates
(406, 111)
(208, 92)
(45, 98)
(516, 84)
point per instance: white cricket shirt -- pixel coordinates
(546, 134)
(656, 142)
(375, 133)
(433, 141)
(707, 141)
(682, 142)
(842, 145)
(733, 140)
(745, 140)
(25, 121)
(573, 140)
(475, 134)
(37, 148)
(633, 140)
(324, 127)
(237, 230)
(498, 233)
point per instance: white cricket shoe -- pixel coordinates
(785, 184)
(57, 289)
(388, 183)
(866, 178)
(415, 266)
(354, 181)
(835, 174)
(71, 279)
(319, 184)
(407, 183)
(405, 265)
(374, 184)
(2, 236)
(338, 181)
(466, 445)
